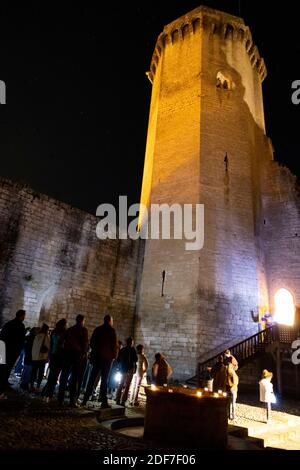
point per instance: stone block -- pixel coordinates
(110, 413)
(179, 417)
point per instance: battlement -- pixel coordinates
(226, 26)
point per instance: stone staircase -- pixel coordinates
(282, 433)
(248, 349)
(241, 433)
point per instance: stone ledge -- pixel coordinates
(106, 414)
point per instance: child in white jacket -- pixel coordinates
(266, 394)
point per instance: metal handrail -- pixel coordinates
(246, 348)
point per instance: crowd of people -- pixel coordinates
(79, 365)
(71, 362)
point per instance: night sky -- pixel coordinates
(75, 122)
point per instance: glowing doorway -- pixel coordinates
(284, 307)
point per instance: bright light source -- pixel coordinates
(118, 377)
(284, 307)
(153, 387)
(199, 394)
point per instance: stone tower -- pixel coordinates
(206, 143)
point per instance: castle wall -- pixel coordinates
(281, 231)
(209, 295)
(167, 323)
(53, 265)
(232, 275)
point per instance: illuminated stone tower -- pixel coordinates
(206, 144)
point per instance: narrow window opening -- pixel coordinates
(163, 275)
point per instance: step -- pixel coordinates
(280, 437)
(242, 433)
(290, 444)
(276, 424)
(237, 431)
(110, 413)
(237, 443)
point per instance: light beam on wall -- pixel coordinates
(284, 307)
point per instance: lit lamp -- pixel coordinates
(199, 394)
(206, 389)
(153, 387)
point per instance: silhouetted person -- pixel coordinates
(161, 370)
(20, 362)
(40, 354)
(219, 374)
(26, 374)
(103, 351)
(127, 359)
(74, 352)
(13, 335)
(56, 357)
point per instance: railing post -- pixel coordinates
(278, 371)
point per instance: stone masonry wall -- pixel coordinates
(281, 232)
(53, 265)
(209, 295)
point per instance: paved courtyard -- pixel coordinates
(26, 422)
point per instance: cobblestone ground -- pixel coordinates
(26, 422)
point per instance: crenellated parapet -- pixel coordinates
(227, 27)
